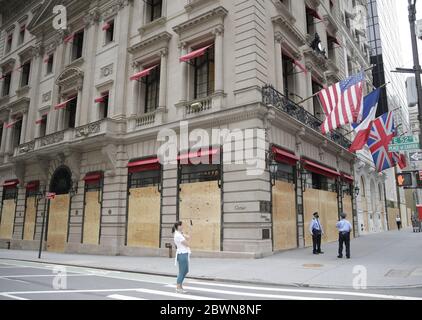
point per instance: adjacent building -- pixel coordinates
(82, 110)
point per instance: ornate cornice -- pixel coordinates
(7, 65)
(219, 12)
(19, 106)
(161, 38)
(70, 77)
(287, 27)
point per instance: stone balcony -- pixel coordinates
(96, 132)
(210, 104)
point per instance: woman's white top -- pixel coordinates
(179, 238)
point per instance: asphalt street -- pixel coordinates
(21, 280)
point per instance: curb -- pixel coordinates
(250, 282)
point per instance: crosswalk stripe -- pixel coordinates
(175, 295)
(341, 293)
(122, 297)
(255, 295)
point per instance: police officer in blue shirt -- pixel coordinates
(315, 228)
(344, 228)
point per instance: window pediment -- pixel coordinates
(19, 106)
(151, 45)
(289, 30)
(70, 77)
(204, 22)
(7, 65)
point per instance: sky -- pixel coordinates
(402, 9)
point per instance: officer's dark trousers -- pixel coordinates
(344, 239)
(316, 241)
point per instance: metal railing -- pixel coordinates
(271, 96)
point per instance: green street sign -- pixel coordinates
(406, 140)
(404, 147)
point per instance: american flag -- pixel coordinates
(382, 133)
(342, 102)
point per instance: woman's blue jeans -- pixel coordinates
(183, 260)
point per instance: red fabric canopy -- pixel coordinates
(143, 73)
(194, 54)
(69, 38)
(283, 156)
(11, 124)
(295, 62)
(101, 99)
(63, 104)
(11, 183)
(93, 177)
(320, 169)
(106, 26)
(313, 13)
(32, 185)
(144, 165)
(199, 154)
(348, 178)
(333, 38)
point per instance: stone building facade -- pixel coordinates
(82, 121)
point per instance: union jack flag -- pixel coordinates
(342, 103)
(382, 133)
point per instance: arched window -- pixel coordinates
(61, 182)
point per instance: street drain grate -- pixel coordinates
(312, 266)
(394, 273)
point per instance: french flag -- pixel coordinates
(362, 130)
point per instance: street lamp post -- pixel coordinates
(417, 67)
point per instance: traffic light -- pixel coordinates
(404, 179)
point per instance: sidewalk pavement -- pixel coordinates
(391, 260)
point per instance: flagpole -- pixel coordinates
(309, 98)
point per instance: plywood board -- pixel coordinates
(201, 203)
(57, 223)
(30, 216)
(392, 215)
(326, 204)
(144, 218)
(7, 219)
(311, 204)
(284, 216)
(92, 216)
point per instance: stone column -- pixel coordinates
(184, 72)
(78, 122)
(24, 125)
(219, 60)
(134, 106)
(60, 114)
(279, 62)
(9, 137)
(3, 139)
(163, 81)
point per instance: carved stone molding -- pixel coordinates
(89, 129)
(92, 18)
(70, 77)
(52, 139)
(106, 70)
(162, 38)
(115, 8)
(7, 65)
(46, 96)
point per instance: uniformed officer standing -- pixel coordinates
(344, 228)
(315, 228)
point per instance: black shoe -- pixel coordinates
(321, 252)
(340, 257)
(315, 252)
(348, 257)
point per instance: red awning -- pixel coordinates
(194, 54)
(63, 104)
(333, 38)
(69, 38)
(101, 99)
(313, 13)
(93, 177)
(198, 154)
(283, 156)
(296, 62)
(10, 183)
(11, 124)
(348, 178)
(143, 73)
(106, 26)
(32, 185)
(320, 169)
(144, 165)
